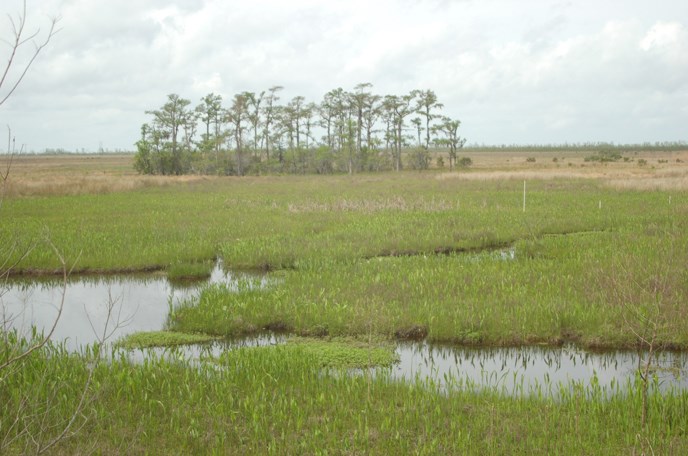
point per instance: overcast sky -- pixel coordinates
(514, 72)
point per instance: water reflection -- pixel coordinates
(531, 370)
(141, 303)
(198, 352)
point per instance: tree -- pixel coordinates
(328, 112)
(419, 158)
(351, 139)
(236, 115)
(209, 112)
(360, 101)
(371, 113)
(254, 102)
(417, 122)
(425, 103)
(269, 110)
(450, 129)
(398, 109)
(173, 119)
(143, 160)
(294, 113)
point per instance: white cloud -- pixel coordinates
(526, 72)
(212, 83)
(663, 35)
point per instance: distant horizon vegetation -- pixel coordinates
(648, 146)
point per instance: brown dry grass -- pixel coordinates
(40, 175)
(663, 171)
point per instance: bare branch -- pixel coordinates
(17, 42)
(44, 340)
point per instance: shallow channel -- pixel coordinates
(143, 301)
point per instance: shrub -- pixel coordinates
(604, 156)
(464, 162)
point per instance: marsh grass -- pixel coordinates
(346, 352)
(187, 272)
(279, 400)
(493, 298)
(150, 339)
(363, 256)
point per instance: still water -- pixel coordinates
(142, 303)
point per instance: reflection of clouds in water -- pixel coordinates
(525, 369)
(141, 306)
(141, 303)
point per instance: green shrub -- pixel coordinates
(464, 162)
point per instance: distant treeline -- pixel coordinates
(660, 146)
(345, 132)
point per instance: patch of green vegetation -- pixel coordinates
(330, 352)
(288, 222)
(604, 156)
(150, 339)
(553, 289)
(189, 271)
(346, 352)
(464, 162)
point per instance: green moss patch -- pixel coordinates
(346, 352)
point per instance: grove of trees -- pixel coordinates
(254, 133)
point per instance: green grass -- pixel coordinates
(190, 271)
(161, 339)
(278, 400)
(386, 252)
(556, 289)
(286, 222)
(371, 257)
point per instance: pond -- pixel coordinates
(142, 303)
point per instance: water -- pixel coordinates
(529, 370)
(195, 353)
(141, 302)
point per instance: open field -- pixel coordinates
(597, 258)
(34, 175)
(402, 239)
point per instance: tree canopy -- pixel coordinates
(347, 131)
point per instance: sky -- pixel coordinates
(514, 72)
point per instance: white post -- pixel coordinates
(524, 196)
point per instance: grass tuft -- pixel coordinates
(151, 339)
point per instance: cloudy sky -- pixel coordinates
(514, 72)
